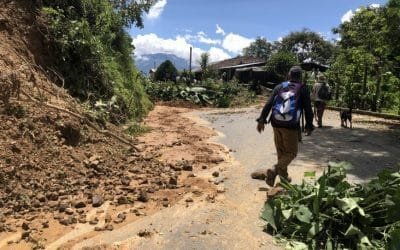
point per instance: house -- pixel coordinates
(231, 66)
(152, 73)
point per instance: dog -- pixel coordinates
(345, 115)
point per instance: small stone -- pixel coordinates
(80, 204)
(69, 211)
(41, 197)
(125, 181)
(259, 174)
(144, 233)
(98, 229)
(25, 226)
(173, 180)
(215, 174)
(187, 166)
(108, 218)
(220, 189)
(82, 219)
(143, 196)
(204, 167)
(189, 199)
(97, 200)
(63, 206)
(122, 216)
(25, 235)
(122, 200)
(118, 220)
(109, 227)
(165, 203)
(94, 221)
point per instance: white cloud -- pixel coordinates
(220, 30)
(201, 33)
(156, 10)
(347, 16)
(235, 43)
(203, 38)
(375, 5)
(151, 44)
(217, 54)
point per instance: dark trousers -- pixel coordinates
(319, 108)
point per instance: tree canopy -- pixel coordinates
(260, 48)
(93, 51)
(366, 65)
(306, 44)
(166, 71)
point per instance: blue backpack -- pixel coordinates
(285, 108)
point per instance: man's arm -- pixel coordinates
(267, 106)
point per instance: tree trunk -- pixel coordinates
(364, 85)
(377, 90)
(337, 87)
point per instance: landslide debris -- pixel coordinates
(54, 162)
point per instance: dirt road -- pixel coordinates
(229, 218)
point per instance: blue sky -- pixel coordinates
(224, 27)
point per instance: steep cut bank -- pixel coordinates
(56, 162)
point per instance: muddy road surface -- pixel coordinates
(228, 217)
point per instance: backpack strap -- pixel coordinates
(285, 84)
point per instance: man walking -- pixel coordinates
(320, 94)
(287, 101)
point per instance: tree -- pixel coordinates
(279, 65)
(166, 71)
(131, 10)
(306, 44)
(204, 61)
(367, 40)
(260, 48)
(92, 50)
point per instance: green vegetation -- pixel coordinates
(279, 65)
(135, 129)
(260, 48)
(206, 93)
(92, 51)
(365, 68)
(166, 72)
(364, 63)
(334, 214)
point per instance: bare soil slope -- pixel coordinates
(56, 164)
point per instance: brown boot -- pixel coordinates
(270, 179)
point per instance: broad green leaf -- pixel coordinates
(329, 244)
(314, 230)
(349, 204)
(287, 213)
(364, 241)
(352, 230)
(295, 245)
(268, 215)
(309, 174)
(303, 214)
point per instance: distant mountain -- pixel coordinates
(146, 62)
